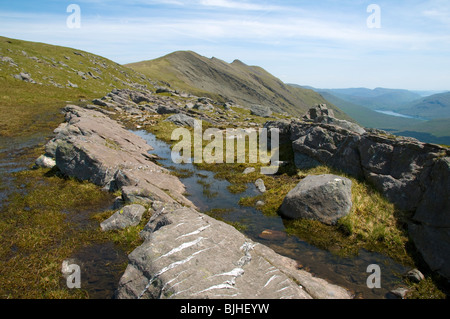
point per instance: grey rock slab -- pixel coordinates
(189, 255)
(260, 110)
(325, 198)
(130, 215)
(91, 146)
(182, 120)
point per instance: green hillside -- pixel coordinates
(236, 81)
(53, 76)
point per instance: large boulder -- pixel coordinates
(261, 110)
(91, 146)
(190, 255)
(325, 198)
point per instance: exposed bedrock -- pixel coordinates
(413, 175)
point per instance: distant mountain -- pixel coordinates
(236, 81)
(376, 99)
(436, 106)
(431, 131)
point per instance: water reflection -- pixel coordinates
(349, 272)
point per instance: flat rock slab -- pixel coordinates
(325, 198)
(130, 215)
(188, 255)
(91, 146)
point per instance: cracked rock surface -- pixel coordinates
(187, 254)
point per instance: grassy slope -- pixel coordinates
(36, 232)
(26, 108)
(244, 84)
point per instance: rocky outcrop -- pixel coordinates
(188, 255)
(130, 215)
(91, 146)
(185, 254)
(413, 175)
(260, 110)
(325, 198)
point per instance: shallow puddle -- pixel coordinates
(349, 272)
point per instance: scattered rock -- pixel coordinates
(260, 203)
(249, 170)
(270, 234)
(400, 292)
(260, 110)
(414, 275)
(45, 162)
(164, 109)
(70, 84)
(24, 77)
(182, 120)
(325, 198)
(206, 258)
(128, 216)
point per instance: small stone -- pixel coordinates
(400, 292)
(260, 185)
(270, 234)
(249, 170)
(414, 275)
(260, 203)
(45, 162)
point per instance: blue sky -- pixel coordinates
(322, 43)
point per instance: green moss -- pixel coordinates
(39, 230)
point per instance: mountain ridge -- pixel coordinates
(236, 81)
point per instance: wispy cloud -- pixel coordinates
(277, 35)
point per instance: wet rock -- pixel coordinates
(128, 216)
(325, 198)
(190, 255)
(91, 146)
(414, 275)
(270, 234)
(259, 203)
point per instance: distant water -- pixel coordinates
(392, 113)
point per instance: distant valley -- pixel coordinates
(426, 118)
